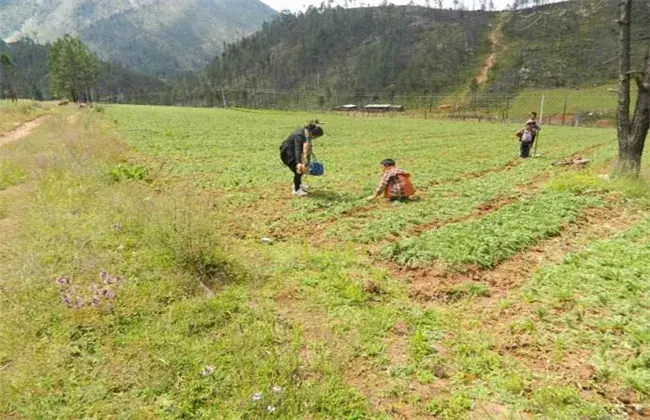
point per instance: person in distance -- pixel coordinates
(526, 137)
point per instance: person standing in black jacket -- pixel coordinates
(295, 153)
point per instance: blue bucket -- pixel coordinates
(316, 168)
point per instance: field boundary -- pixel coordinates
(21, 131)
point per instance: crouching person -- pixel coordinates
(395, 184)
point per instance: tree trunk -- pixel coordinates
(631, 133)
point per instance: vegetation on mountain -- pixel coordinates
(161, 37)
(6, 78)
(417, 55)
(569, 44)
(31, 77)
(74, 70)
(29, 72)
(352, 53)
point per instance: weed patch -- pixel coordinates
(123, 172)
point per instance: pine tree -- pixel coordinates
(74, 69)
(7, 69)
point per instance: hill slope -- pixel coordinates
(163, 37)
(373, 54)
(566, 45)
(376, 52)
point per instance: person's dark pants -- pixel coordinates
(297, 178)
(525, 149)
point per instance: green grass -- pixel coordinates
(10, 174)
(598, 300)
(152, 341)
(600, 100)
(15, 113)
(208, 316)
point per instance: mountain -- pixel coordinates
(331, 56)
(161, 37)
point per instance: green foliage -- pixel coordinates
(563, 402)
(160, 347)
(7, 74)
(415, 55)
(598, 298)
(74, 69)
(11, 173)
(555, 47)
(497, 236)
(348, 55)
(29, 77)
(115, 83)
(125, 172)
(207, 315)
(450, 407)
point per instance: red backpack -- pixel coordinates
(407, 186)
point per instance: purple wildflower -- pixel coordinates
(108, 293)
(106, 278)
(208, 370)
(277, 389)
(257, 396)
(109, 279)
(66, 301)
(80, 303)
(62, 281)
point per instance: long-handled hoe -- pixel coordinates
(539, 133)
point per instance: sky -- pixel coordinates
(297, 5)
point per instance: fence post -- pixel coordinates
(564, 110)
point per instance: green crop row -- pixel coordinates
(597, 301)
(499, 235)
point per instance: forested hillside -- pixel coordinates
(366, 51)
(334, 55)
(31, 79)
(29, 72)
(162, 37)
(568, 44)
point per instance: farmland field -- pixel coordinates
(509, 289)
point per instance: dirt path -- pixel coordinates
(21, 131)
(495, 45)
